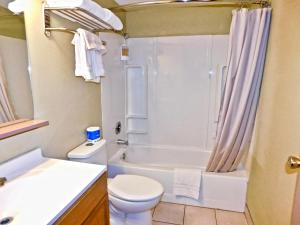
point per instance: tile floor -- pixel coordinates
(171, 214)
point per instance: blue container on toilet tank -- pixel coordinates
(93, 134)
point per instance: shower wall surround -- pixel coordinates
(182, 80)
(172, 89)
(112, 91)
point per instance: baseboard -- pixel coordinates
(248, 216)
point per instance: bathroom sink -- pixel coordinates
(13, 198)
(39, 190)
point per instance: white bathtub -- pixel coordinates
(218, 190)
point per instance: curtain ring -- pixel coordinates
(243, 4)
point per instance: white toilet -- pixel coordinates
(131, 197)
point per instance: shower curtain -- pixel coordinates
(6, 111)
(246, 55)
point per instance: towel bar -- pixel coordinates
(63, 29)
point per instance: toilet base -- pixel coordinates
(142, 218)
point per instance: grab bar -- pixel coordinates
(220, 92)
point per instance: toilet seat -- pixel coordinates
(134, 188)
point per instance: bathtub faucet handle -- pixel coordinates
(122, 142)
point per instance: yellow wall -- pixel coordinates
(163, 21)
(277, 135)
(69, 103)
(11, 25)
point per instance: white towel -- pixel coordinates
(187, 182)
(91, 6)
(88, 55)
(113, 20)
(85, 4)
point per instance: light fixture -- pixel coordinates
(17, 6)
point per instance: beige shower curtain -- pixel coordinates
(246, 55)
(6, 110)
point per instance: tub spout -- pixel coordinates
(122, 142)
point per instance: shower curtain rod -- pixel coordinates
(193, 3)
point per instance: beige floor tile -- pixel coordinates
(230, 218)
(152, 211)
(169, 213)
(248, 217)
(160, 223)
(199, 216)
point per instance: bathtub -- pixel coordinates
(225, 191)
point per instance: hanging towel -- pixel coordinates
(187, 182)
(88, 55)
(95, 50)
(90, 6)
(85, 4)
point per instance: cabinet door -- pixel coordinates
(87, 205)
(100, 215)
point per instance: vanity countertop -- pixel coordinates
(39, 189)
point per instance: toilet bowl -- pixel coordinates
(131, 197)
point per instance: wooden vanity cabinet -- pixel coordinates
(91, 208)
(99, 215)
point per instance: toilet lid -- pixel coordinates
(134, 188)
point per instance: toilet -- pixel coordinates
(131, 197)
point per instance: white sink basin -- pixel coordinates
(14, 198)
(39, 190)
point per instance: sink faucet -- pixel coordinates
(121, 142)
(2, 181)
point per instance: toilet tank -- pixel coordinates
(90, 152)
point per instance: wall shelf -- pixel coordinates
(78, 15)
(136, 99)
(20, 126)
